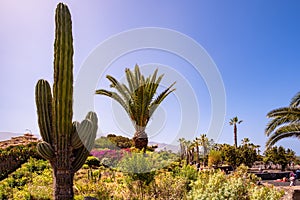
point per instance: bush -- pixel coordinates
(214, 158)
(138, 167)
(92, 161)
(29, 182)
(238, 186)
(266, 193)
(166, 186)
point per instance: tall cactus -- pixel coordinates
(65, 144)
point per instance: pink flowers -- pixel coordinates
(113, 155)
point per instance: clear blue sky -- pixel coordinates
(255, 45)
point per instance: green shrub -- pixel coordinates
(99, 190)
(266, 193)
(188, 172)
(138, 166)
(41, 185)
(32, 181)
(166, 186)
(92, 161)
(238, 186)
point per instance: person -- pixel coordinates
(292, 179)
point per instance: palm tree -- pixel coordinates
(284, 123)
(234, 121)
(196, 144)
(205, 143)
(182, 148)
(138, 100)
(189, 153)
(245, 141)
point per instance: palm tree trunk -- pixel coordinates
(63, 181)
(140, 140)
(193, 154)
(182, 151)
(197, 151)
(204, 155)
(235, 135)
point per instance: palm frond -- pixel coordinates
(137, 75)
(104, 92)
(276, 122)
(293, 127)
(295, 102)
(121, 88)
(274, 139)
(285, 122)
(280, 112)
(114, 96)
(130, 80)
(160, 98)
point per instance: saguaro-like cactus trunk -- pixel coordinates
(65, 144)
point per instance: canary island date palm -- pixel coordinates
(284, 123)
(139, 99)
(65, 144)
(233, 122)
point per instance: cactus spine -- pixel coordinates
(65, 144)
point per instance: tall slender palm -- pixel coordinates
(182, 148)
(233, 122)
(284, 123)
(188, 154)
(138, 100)
(205, 143)
(197, 144)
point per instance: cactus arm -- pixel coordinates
(45, 150)
(91, 138)
(43, 98)
(80, 157)
(85, 128)
(93, 117)
(75, 140)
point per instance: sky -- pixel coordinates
(255, 46)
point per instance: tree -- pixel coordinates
(214, 158)
(284, 123)
(205, 143)
(245, 141)
(120, 141)
(291, 156)
(244, 154)
(230, 155)
(233, 122)
(182, 148)
(138, 100)
(196, 144)
(189, 154)
(278, 155)
(247, 154)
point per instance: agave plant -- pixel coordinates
(284, 123)
(138, 100)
